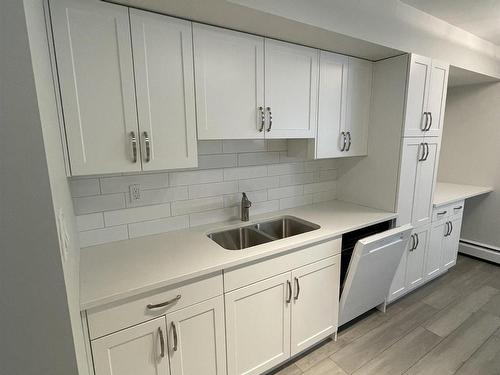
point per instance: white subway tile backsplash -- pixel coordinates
(291, 202)
(136, 214)
(159, 196)
(258, 183)
(147, 228)
(283, 192)
(244, 145)
(98, 203)
(197, 205)
(195, 177)
(217, 161)
(121, 184)
(245, 172)
(104, 235)
(214, 216)
(209, 147)
(258, 158)
(210, 190)
(84, 187)
(211, 193)
(90, 221)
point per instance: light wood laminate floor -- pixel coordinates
(449, 326)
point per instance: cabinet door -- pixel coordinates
(359, 95)
(314, 309)
(229, 71)
(435, 250)
(407, 177)
(132, 351)
(163, 63)
(417, 94)
(196, 339)
(258, 325)
(424, 186)
(291, 90)
(451, 243)
(333, 73)
(415, 264)
(94, 61)
(437, 97)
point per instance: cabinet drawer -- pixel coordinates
(447, 211)
(238, 277)
(115, 316)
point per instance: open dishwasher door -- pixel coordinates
(372, 267)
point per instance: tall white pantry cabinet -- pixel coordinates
(423, 121)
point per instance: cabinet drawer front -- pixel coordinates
(447, 211)
(238, 277)
(113, 317)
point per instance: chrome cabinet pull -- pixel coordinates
(174, 333)
(133, 144)
(447, 229)
(297, 286)
(162, 343)
(289, 286)
(163, 304)
(262, 119)
(425, 154)
(418, 241)
(451, 227)
(270, 119)
(442, 212)
(412, 247)
(430, 122)
(349, 144)
(421, 147)
(426, 121)
(458, 208)
(147, 143)
(344, 141)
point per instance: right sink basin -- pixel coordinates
(286, 226)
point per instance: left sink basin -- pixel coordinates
(239, 238)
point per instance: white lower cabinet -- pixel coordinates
(196, 339)
(415, 264)
(451, 242)
(140, 349)
(435, 253)
(271, 320)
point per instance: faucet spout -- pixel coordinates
(245, 207)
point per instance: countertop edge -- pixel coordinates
(486, 190)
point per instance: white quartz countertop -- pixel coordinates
(446, 193)
(122, 269)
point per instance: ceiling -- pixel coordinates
(479, 17)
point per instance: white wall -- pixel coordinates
(211, 193)
(40, 333)
(470, 154)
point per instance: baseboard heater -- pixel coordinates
(479, 250)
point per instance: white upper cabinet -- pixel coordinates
(96, 77)
(229, 71)
(164, 77)
(291, 90)
(426, 96)
(332, 105)
(359, 95)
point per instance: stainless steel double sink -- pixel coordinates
(263, 232)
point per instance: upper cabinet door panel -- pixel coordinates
(229, 71)
(94, 60)
(163, 62)
(333, 73)
(291, 89)
(416, 97)
(359, 95)
(437, 97)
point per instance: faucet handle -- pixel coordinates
(245, 200)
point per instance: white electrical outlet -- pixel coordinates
(135, 192)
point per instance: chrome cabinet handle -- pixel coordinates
(174, 333)
(133, 144)
(430, 122)
(349, 144)
(289, 286)
(147, 143)
(447, 229)
(426, 116)
(344, 141)
(270, 119)
(162, 343)
(297, 286)
(418, 241)
(458, 208)
(451, 228)
(262, 119)
(421, 147)
(163, 304)
(442, 212)
(412, 247)
(426, 150)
